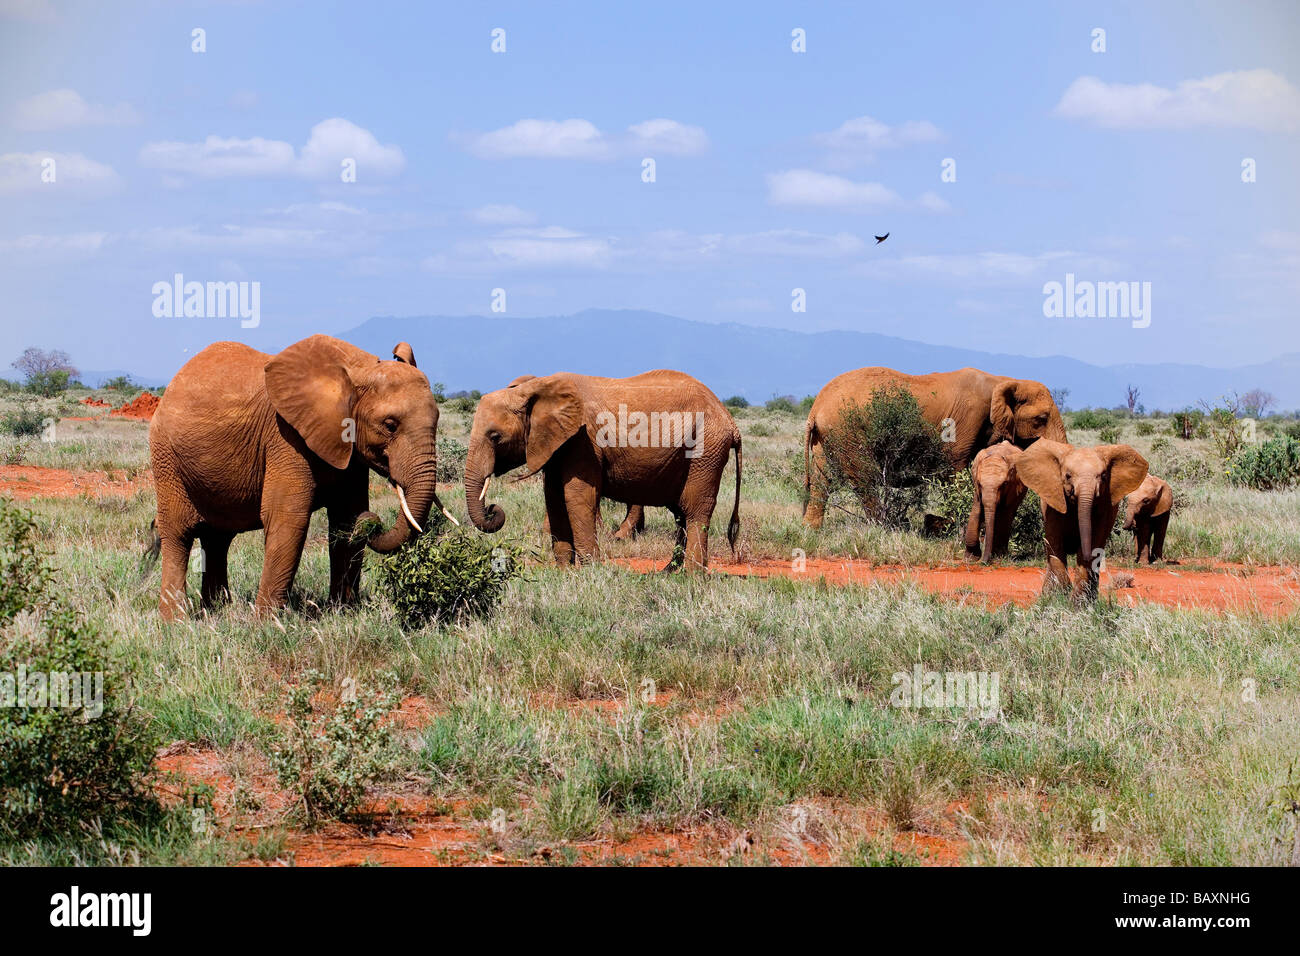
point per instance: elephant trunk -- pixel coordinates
(990, 502)
(480, 462)
(1086, 498)
(416, 498)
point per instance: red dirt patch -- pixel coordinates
(1272, 590)
(95, 403)
(142, 407)
(23, 482)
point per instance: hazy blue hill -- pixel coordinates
(480, 352)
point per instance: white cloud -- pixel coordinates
(73, 173)
(580, 139)
(1252, 99)
(501, 214)
(865, 135)
(548, 247)
(331, 141)
(807, 187)
(63, 109)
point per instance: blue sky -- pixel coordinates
(522, 170)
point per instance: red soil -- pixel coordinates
(142, 407)
(1273, 590)
(95, 403)
(23, 482)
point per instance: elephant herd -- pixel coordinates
(244, 440)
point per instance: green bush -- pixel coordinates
(48, 384)
(1188, 424)
(1145, 428)
(884, 452)
(737, 401)
(782, 403)
(435, 578)
(451, 460)
(23, 423)
(951, 497)
(64, 770)
(327, 758)
(1093, 419)
(1109, 435)
(1273, 464)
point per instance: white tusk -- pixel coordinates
(450, 516)
(486, 481)
(406, 509)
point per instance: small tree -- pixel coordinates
(884, 451)
(47, 372)
(1059, 395)
(1257, 402)
(1132, 393)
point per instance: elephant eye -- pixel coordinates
(494, 435)
(391, 425)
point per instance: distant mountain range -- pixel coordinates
(475, 352)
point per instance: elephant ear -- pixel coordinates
(1039, 470)
(1127, 469)
(553, 410)
(309, 387)
(1165, 500)
(520, 380)
(1002, 411)
(403, 352)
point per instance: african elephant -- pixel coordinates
(659, 438)
(1147, 511)
(972, 409)
(1081, 489)
(633, 521)
(998, 494)
(244, 440)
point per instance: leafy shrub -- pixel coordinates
(328, 758)
(461, 403)
(451, 460)
(805, 406)
(433, 579)
(23, 423)
(48, 384)
(1273, 464)
(1226, 431)
(883, 452)
(1187, 424)
(1093, 419)
(1174, 466)
(121, 383)
(760, 430)
(62, 769)
(1145, 428)
(782, 403)
(1108, 435)
(737, 401)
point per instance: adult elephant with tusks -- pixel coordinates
(660, 439)
(972, 410)
(244, 440)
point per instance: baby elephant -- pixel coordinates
(998, 494)
(1148, 517)
(1081, 489)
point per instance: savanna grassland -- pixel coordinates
(603, 715)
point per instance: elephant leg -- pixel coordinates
(1086, 588)
(215, 548)
(557, 517)
(346, 556)
(285, 536)
(633, 523)
(1142, 536)
(175, 561)
(973, 529)
(582, 500)
(1006, 515)
(1160, 524)
(1058, 573)
(679, 541)
(814, 512)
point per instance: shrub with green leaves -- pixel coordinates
(951, 497)
(782, 403)
(1267, 466)
(439, 577)
(1145, 428)
(1093, 419)
(884, 451)
(25, 422)
(62, 768)
(1188, 424)
(737, 401)
(451, 460)
(1109, 435)
(328, 757)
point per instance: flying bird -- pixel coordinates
(880, 239)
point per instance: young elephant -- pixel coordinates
(244, 440)
(1081, 489)
(998, 494)
(659, 438)
(1148, 517)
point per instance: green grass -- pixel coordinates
(778, 691)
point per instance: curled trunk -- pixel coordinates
(487, 517)
(421, 496)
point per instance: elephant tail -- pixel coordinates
(150, 556)
(733, 526)
(808, 430)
